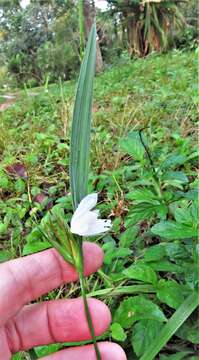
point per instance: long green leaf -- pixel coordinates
(123, 290)
(168, 330)
(81, 125)
(79, 154)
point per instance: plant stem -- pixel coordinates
(86, 307)
(123, 290)
(32, 354)
(155, 177)
(105, 278)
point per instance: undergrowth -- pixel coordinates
(144, 160)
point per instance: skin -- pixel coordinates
(25, 326)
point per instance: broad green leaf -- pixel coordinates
(4, 255)
(173, 160)
(140, 212)
(183, 216)
(144, 211)
(173, 230)
(143, 334)
(189, 195)
(196, 252)
(194, 210)
(81, 124)
(173, 324)
(189, 331)
(34, 236)
(3, 228)
(128, 236)
(20, 186)
(179, 356)
(193, 155)
(191, 274)
(132, 145)
(155, 252)
(34, 242)
(31, 248)
(161, 211)
(117, 332)
(141, 272)
(170, 293)
(176, 176)
(143, 195)
(166, 266)
(114, 253)
(137, 308)
(176, 251)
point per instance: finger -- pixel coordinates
(55, 321)
(108, 351)
(25, 279)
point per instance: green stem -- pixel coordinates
(32, 354)
(105, 278)
(156, 186)
(80, 267)
(155, 177)
(173, 324)
(123, 290)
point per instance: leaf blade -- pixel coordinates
(81, 123)
(173, 324)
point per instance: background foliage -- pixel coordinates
(36, 41)
(147, 183)
(143, 152)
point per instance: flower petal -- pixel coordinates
(85, 222)
(80, 224)
(87, 203)
(89, 225)
(97, 212)
(99, 227)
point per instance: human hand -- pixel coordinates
(25, 326)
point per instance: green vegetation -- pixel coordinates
(43, 42)
(144, 158)
(152, 25)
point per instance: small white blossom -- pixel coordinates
(85, 221)
(24, 3)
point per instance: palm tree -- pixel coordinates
(150, 24)
(89, 14)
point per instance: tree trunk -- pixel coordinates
(133, 34)
(89, 13)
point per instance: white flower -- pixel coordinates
(24, 3)
(85, 221)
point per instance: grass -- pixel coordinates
(1, 100)
(147, 184)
